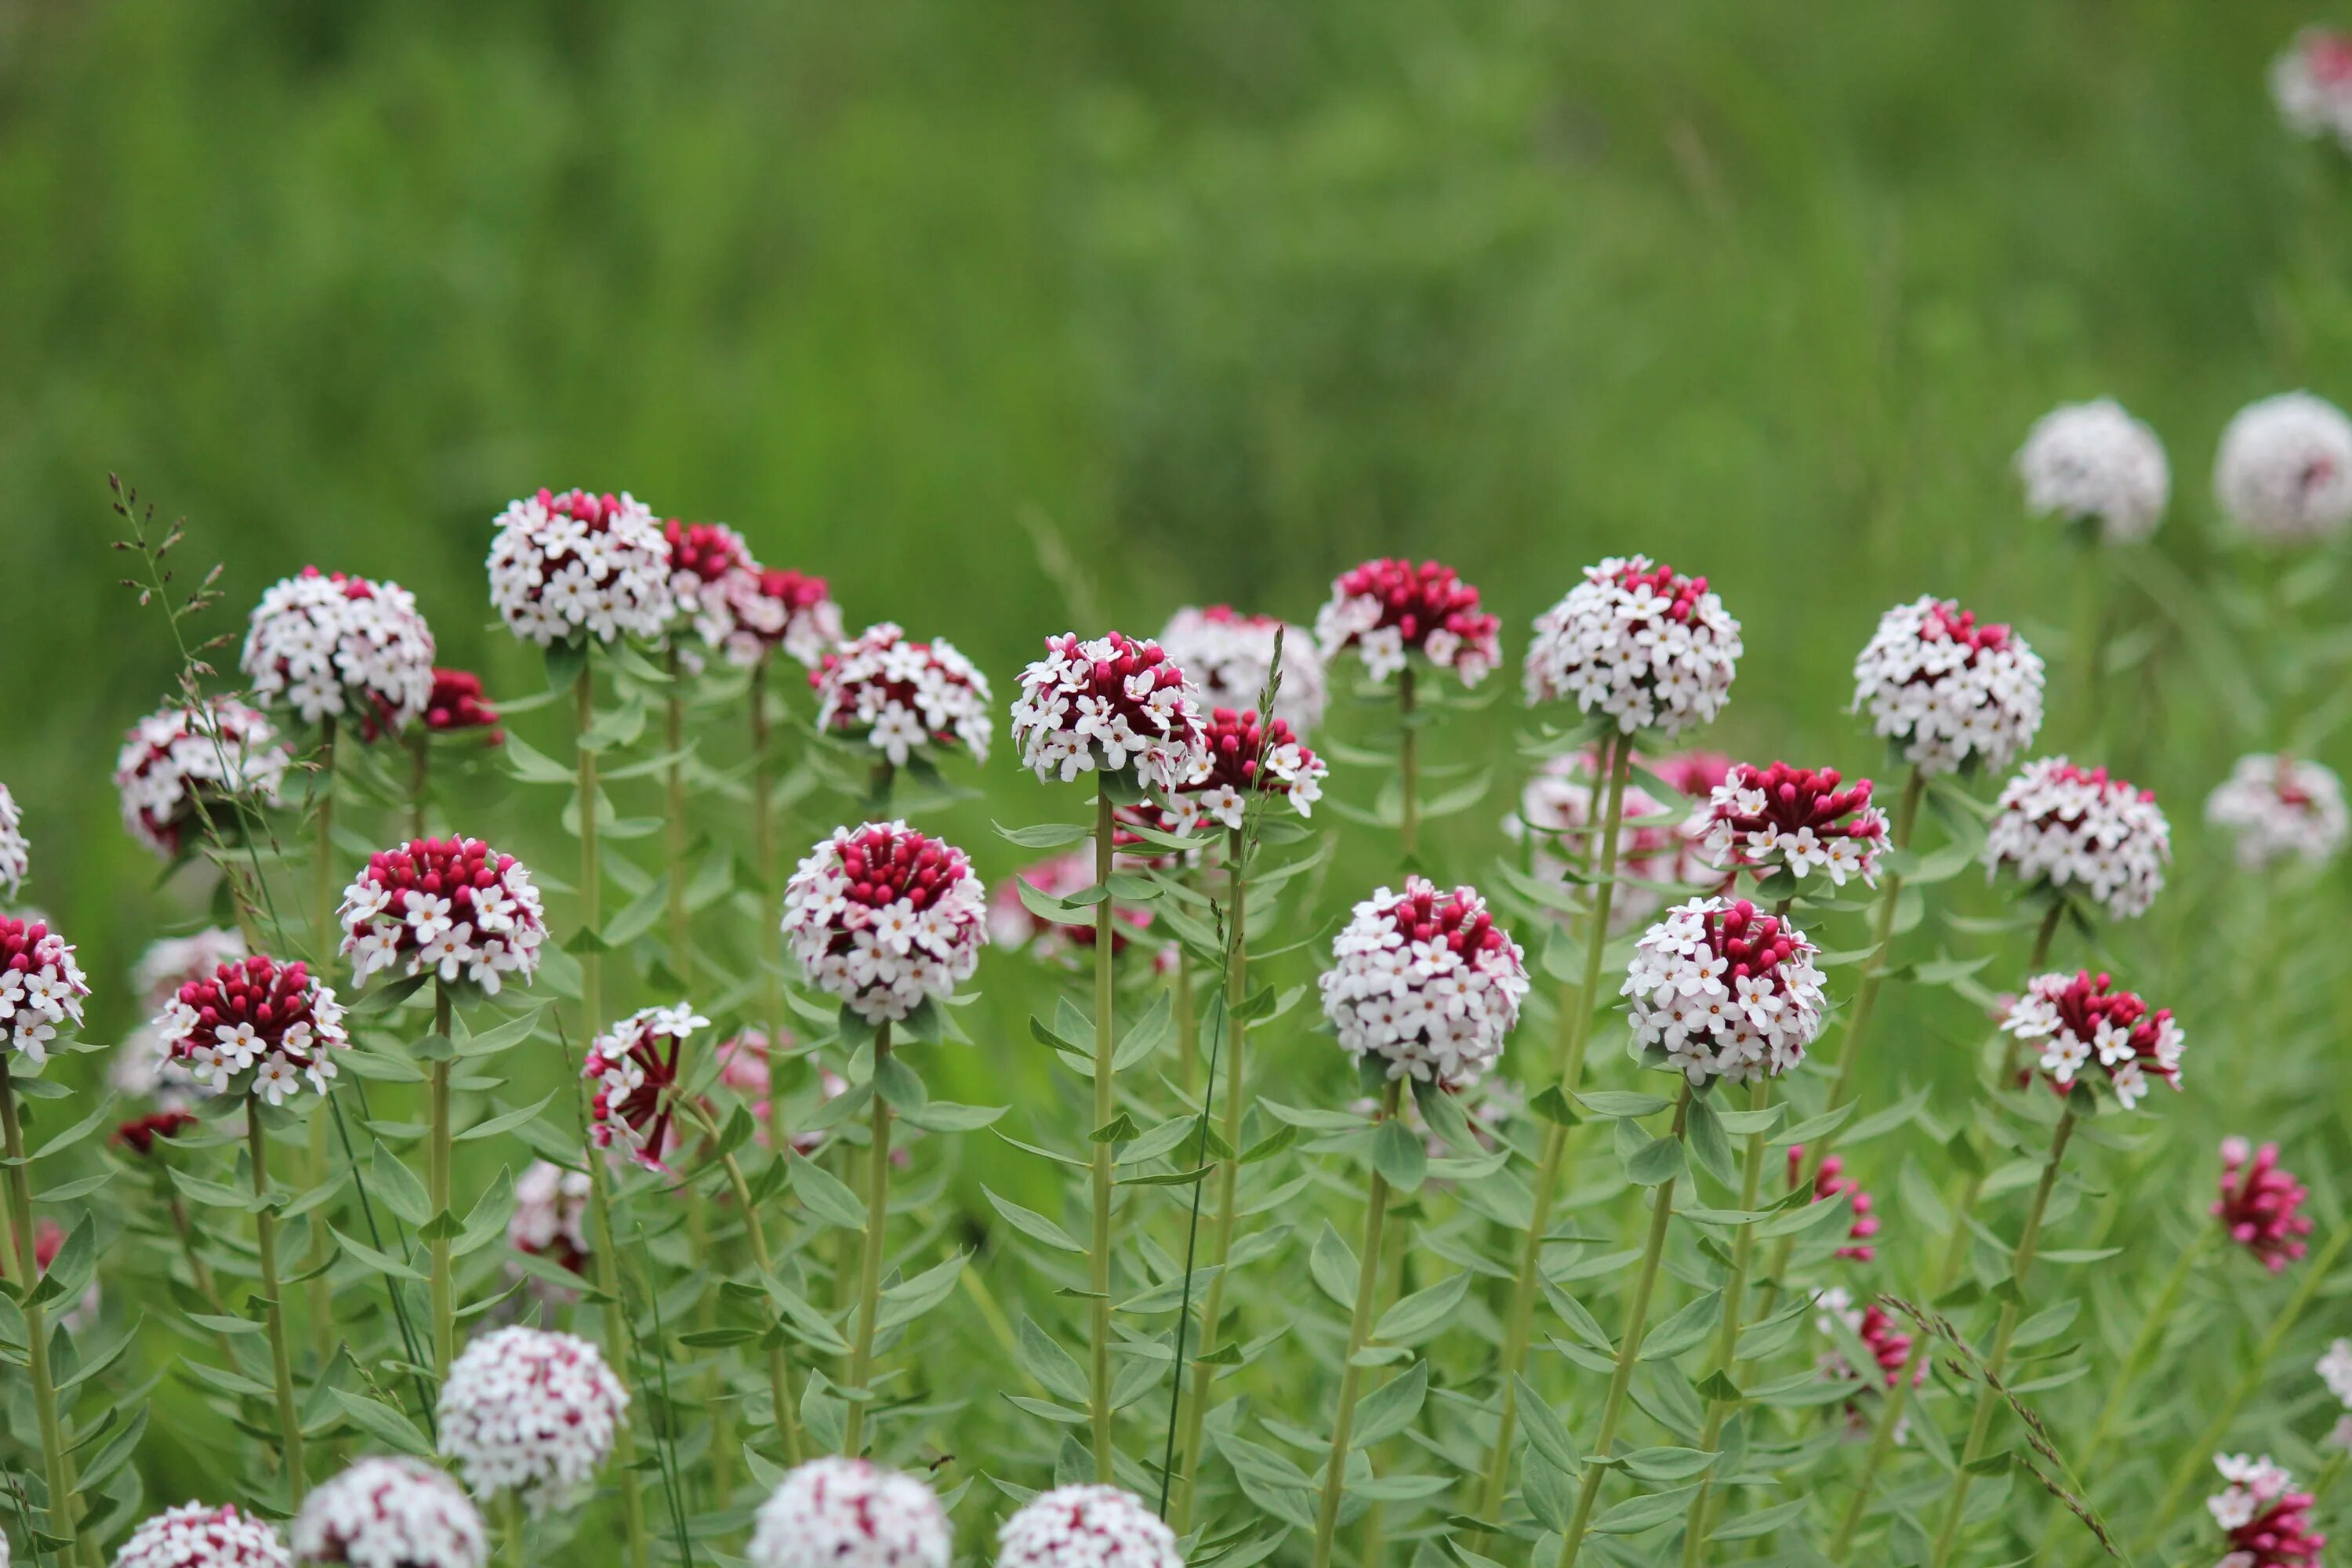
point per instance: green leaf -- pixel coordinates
(1655, 1162)
(1390, 1408)
(1030, 1224)
(1807, 1216)
(1667, 1465)
(1547, 1433)
(941, 1116)
(1333, 1263)
(1763, 1522)
(79, 1131)
(1044, 835)
(531, 765)
(1416, 1316)
(1618, 1102)
(825, 1194)
(382, 1423)
(899, 1085)
(910, 1298)
(394, 1183)
(1646, 1512)
(503, 1037)
(1685, 1330)
(1702, 1131)
(1399, 1155)
(1052, 1365)
(381, 1263)
(505, 1122)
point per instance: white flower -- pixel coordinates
(41, 986)
(391, 1513)
(195, 1536)
(2312, 84)
(2280, 807)
(1953, 692)
(488, 924)
(1085, 1527)
(2093, 460)
(904, 695)
(1435, 1009)
(866, 898)
(1690, 1020)
(2079, 829)
(1111, 703)
(562, 565)
(2335, 1370)
(16, 858)
(181, 762)
(1639, 642)
(849, 1513)
(2284, 472)
(337, 647)
(1227, 654)
(530, 1412)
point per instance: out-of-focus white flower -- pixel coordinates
(884, 919)
(849, 1513)
(2285, 470)
(551, 1215)
(2335, 1370)
(2076, 829)
(1952, 691)
(41, 987)
(16, 855)
(1112, 705)
(2280, 807)
(1721, 989)
(452, 908)
(2081, 1021)
(564, 564)
(180, 763)
(2093, 460)
(1640, 642)
(391, 1513)
(532, 1413)
(1085, 1527)
(195, 1536)
(903, 697)
(1425, 981)
(337, 647)
(2312, 84)
(1227, 654)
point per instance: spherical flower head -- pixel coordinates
(1426, 982)
(1242, 755)
(551, 1216)
(2280, 807)
(1793, 819)
(2093, 462)
(459, 703)
(1829, 1181)
(2312, 84)
(1639, 642)
(256, 1026)
(634, 1068)
(453, 909)
(1085, 1527)
(1954, 693)
(739, 609)
(2080, 1020)
(41, 987)
(574, 564)
(1012, 923)
(2265, 1522)
(138, 1134)
(1562, 806)
(1228, 654)
(325, 646)
(886, 918)
(2077, 829)
(850, 1513)
(2261, 1205)
(2335, 1370)
(1112, 705)
(532, 1413)
(181, 765)
(391, 1513)
(16, 855)
(2283, 473)
(195, 1536)
(1721, 989)
(1387, 610)
(903, 697)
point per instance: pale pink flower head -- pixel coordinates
(2080, 1022)
(551, 1216)
(746, 1060)
(1227, 654)
(2076, 830)
(2312, 84)
(2283, 473)
(740, 609)
(331, 646)
(1012, 923)
(1721, 989)
(850, 1513)
(578, 564)
(532, 1413)
(2280, 807)
(1085, 1527)
(453, 909)
(2261, 1205)
(903, 697)
(1639, 642)
(886, 918)
(1390, 609)
(181, 765)
(16, 855)
(1794, 819)
(1829, 1179)
(1115, 705)
(256, 1026)
(634, 1068)
(391, 1513)
(1954, 693)
(2265, 1523)
(195, 1536)
(1692, 774)
(1424, 981)
(41, 988)
(1243, 756)
(2092, 462)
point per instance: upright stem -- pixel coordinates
(510, 1516)
(1228, 1165)
(321, 1289)
(1408, 769)
(1575, 1035)
(281, 1362)
(420, 778)
(1997, 1360)
(1727, 1346)
(779, 1381)
(591, 869)
(1187, 1029)
(2150, 1334)
(869, 1265)
(65, 1507)
(681, 940)
(764, 853)
(436, 1191)
(1106, 1109)
(1360, 1332)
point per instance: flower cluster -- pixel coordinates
(886, 918)
(1425, 981)
(458, 704)
(530, 1412)
(2312, 84)
(1012, 923)
(195, 1536)
(743, 1059)
(902, 696)
(1762, 819)
(139, 1133)
(391, 1513)
(41, 986)
(850, 1513)
(15, 856)
(1227, 654)
(634, 1066)
(551, 1216)
(1562, 806)
(1721, 989)
(1241, 755)
(183, 763)
(451, 906)
(1888, 1346)
(2266, 1524)
(1640, 642)
(1109, 704)
(2261, 1205)
(2280, 807)
(562, 565)
(1085, 1527)
(1829, 1181)
(332, 646)
(256, 1016)
(1388, 609)
(1951, 690)
(2077, 1017)
(741, 608)
(2284, 472)
(2094, 461)
(145, 1064)
(2077, 829)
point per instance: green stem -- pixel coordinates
(763, 852)
(1188, 1029)
(420, 779)
(1997, 1360)
(321, 1289)
(1106, 1107)
(1408, 769)
(1629, 1349)
(1360, 1332)
(282, 1360)
(591, 869)
(1575, 1035)
(1726, 1349)
(2152, 1324)
(681, 934)
(870, 1263)
(436, 1191)
(780, 1376)
(64, 1505)
(510, 1507)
